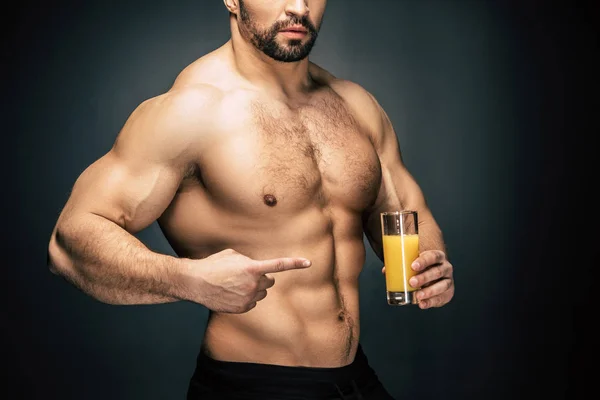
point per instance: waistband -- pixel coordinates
(227, 376)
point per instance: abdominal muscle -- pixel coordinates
(304, 327)
(310, 316)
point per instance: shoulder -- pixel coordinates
(170, 124)
(180, 110)
(182, 105)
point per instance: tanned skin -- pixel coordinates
(263, 175)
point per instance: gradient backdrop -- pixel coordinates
(485, 97)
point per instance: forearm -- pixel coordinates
(110, 264)
(430, 234)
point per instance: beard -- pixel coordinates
(265, 40)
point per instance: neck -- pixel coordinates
(287, 78)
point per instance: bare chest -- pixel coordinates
(283, 159)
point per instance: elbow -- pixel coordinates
(51, 264)
(61, 262)
(58, 260)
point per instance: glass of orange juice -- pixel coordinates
(400, 233)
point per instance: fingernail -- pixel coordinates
(413, 282)
(416, 266)
(306, 263)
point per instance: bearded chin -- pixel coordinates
(266, 41)
(293, 52)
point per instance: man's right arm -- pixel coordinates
(93, 244)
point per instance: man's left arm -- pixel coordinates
(400, 191)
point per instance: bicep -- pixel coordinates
(136, 180)
(129, 191)
(399, 189)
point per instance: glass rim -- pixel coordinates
(402, 212)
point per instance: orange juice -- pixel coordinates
(398, 254)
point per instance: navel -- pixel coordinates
(270, 200)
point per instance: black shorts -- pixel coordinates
(224, 380)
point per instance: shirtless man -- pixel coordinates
(263, 171)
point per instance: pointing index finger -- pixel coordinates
(281, 264)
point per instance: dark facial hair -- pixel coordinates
(265, 40)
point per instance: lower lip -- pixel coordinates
(293, 34)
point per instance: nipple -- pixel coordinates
(270, 200)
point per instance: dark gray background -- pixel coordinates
(489, 101)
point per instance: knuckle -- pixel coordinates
(240, 309)
(254, 267)
(432, 302)
(439, 273)
(280, 266)
(440, 256)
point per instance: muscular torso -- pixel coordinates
(279, 181)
